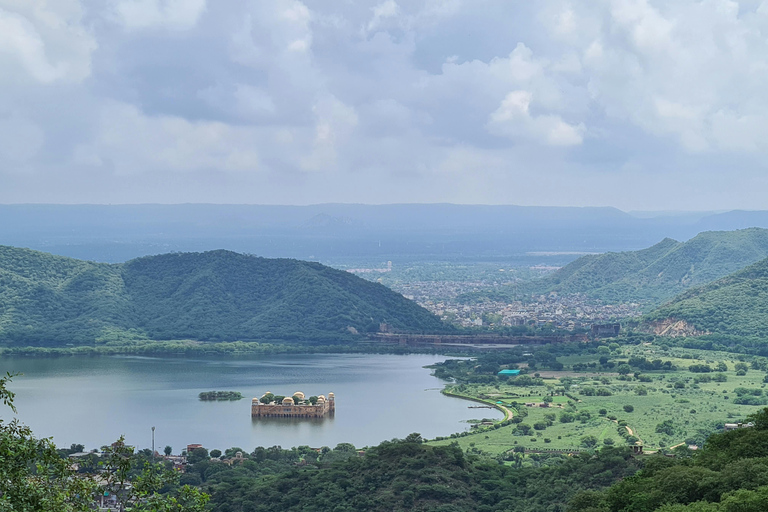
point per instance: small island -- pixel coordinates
(296, 406)
(220, 395)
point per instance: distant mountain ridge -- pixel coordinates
(735, 305)
(353, 233)
(661, 271)
(212, 296)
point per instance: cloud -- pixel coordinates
(21, 139)
(43, 41)
(170, 14)
(384, 100)
(335, 124)
(168, 144)
(382, 12)
(513, 119)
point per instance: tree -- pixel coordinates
(215, 454)
(760, 419)
(33, 477)
(624, 369)
(414, 437)
(267, 398)
(168, 450)
(589, 441)
(197, 455)
(628, 408)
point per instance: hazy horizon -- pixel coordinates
(639, 213)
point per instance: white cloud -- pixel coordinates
(172, 14)
(335, 124)
(432, 99)
(240, 100)
(381, 12)
(45, 41)
(132, 143)
(513, 119)
(684, 68)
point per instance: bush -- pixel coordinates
(628, 408)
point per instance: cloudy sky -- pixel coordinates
(629, 103)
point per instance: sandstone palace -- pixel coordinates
(296, 406)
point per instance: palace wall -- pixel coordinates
(274, 410)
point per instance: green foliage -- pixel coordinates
(35, 477)
(212, 296)
(406, 475)
(661, 271)
(730, 474)
(735, 305)
(220, 395)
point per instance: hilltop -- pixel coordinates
(211, 296)
(736, 305)
(661, 271)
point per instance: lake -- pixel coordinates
(93, 401)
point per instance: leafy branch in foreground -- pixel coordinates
(34, 477)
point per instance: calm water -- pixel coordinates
(94, 400)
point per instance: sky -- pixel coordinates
(636, 104)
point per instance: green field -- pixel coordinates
(663, 417)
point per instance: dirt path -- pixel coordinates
(630, 431)
(507, 412)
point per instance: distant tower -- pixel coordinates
(389, 266)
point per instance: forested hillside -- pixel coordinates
(212, 296)
(729, 475)
(736, 305)
(400, 476)
(661, 271)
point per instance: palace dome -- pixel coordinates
(299, 394)
(331, 395)
(287, 401)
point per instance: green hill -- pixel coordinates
(212, 296)
(661, 271)
(735, 305)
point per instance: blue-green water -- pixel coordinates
(94, 400)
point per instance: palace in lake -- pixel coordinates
(296, 406)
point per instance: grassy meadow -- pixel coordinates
(591, 408)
